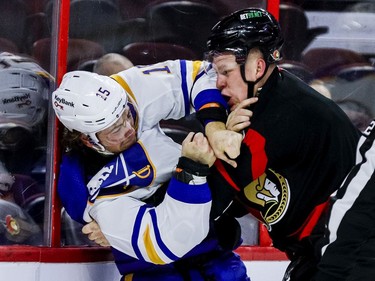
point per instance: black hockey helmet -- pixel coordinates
(243, 30)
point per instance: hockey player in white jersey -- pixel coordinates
(143, 238)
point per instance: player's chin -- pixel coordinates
(128, 143)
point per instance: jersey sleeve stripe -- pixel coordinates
(149, 245)
(159, 240)
(183, 192)
(125, 85)
(209, 105)
(196, 69)
(184, 86)
(136, 230)
(151, 252)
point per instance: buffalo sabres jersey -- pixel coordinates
(162, 234)
(158, 235)
(135, 229)
(167, 90)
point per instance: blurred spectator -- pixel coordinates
(367, 7)
(299, 69)
(361, 90)
(111, 63)
(320, 87)
(298, 38)
(24, 92)
(6, 183)
(17, 226)
(357, 112)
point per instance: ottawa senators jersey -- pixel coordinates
(295, 154)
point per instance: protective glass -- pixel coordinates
(15, 138)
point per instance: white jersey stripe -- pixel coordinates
(355, 184)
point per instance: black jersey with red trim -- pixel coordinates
(297, 151)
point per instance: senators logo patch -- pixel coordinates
(270, 195)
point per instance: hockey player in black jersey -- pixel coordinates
(297, 145)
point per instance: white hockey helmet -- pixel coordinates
(23, 96)
(88, 102)
(9, 60)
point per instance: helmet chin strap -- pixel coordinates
(100, 149)
(97, 146)
(251, 84)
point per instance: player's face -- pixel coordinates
(121, 135)
(229, 79)
(6, 182)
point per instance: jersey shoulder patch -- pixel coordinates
(129, 168)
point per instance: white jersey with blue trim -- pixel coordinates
(159, 234)
(147, 164)
(168, 90)
(164, 233)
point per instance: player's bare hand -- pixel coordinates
(94, 233)
(196, 147)
(225, 143)
(240, 117)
